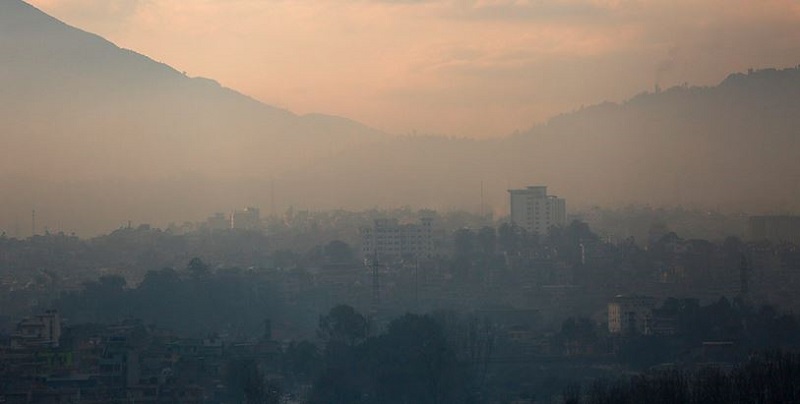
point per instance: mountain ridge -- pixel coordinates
(98, 135)
(79, 109)
(729, 146)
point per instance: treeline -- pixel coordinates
(768, 378)
(746, 327)
(195, 301)
(432, 358)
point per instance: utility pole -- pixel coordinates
(482, 205)
(376, 285)
(376, 293)
(744, 278)
(272, 197)
(416, 286)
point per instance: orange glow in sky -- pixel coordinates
(474, 68)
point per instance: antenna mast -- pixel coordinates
(272, 196)
(482, 204)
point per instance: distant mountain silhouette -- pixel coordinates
(94, 135)
(65, 87)
(733, 146)
(77, 108)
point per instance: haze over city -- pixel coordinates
(214, 98)
(399, 201)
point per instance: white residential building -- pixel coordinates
(535, 211)
(389, 239)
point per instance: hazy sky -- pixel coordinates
(474, 68)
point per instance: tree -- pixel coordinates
(464, 240)
(302, 360)
(343, 329)
(487, 239)
(568, 241)
(338, 251)
(248, 384)
(415, 363)
(577, 335)
(197, 267)
(510, 238)
(343, 324)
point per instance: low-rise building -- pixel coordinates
(43, 330)
(631, 315)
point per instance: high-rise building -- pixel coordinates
(535, 211)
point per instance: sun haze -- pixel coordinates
(471, 68)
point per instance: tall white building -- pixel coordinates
(535, 211)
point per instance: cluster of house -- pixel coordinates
(123, 362)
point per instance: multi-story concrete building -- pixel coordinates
(218, 221)
(389, 239)
(246, 219)
(631, 315)
(42, 330)
(535, 211)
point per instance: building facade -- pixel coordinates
(389, 239)
(631, 315)
(535, 211)
(42, 330)
(779, 228)
(246, 219)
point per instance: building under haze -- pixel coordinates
(535, 211)
(387, 239)
(631, 315)
(246, 219)
(43, 330)
(775, 228)
(218, 221)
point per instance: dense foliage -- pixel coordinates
(191, 302)
(769, 378)
(412, 361)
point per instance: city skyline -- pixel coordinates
(160, 137)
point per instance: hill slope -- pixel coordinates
(66, 88)
(733, 146)
(95, 135)
(77, 109)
